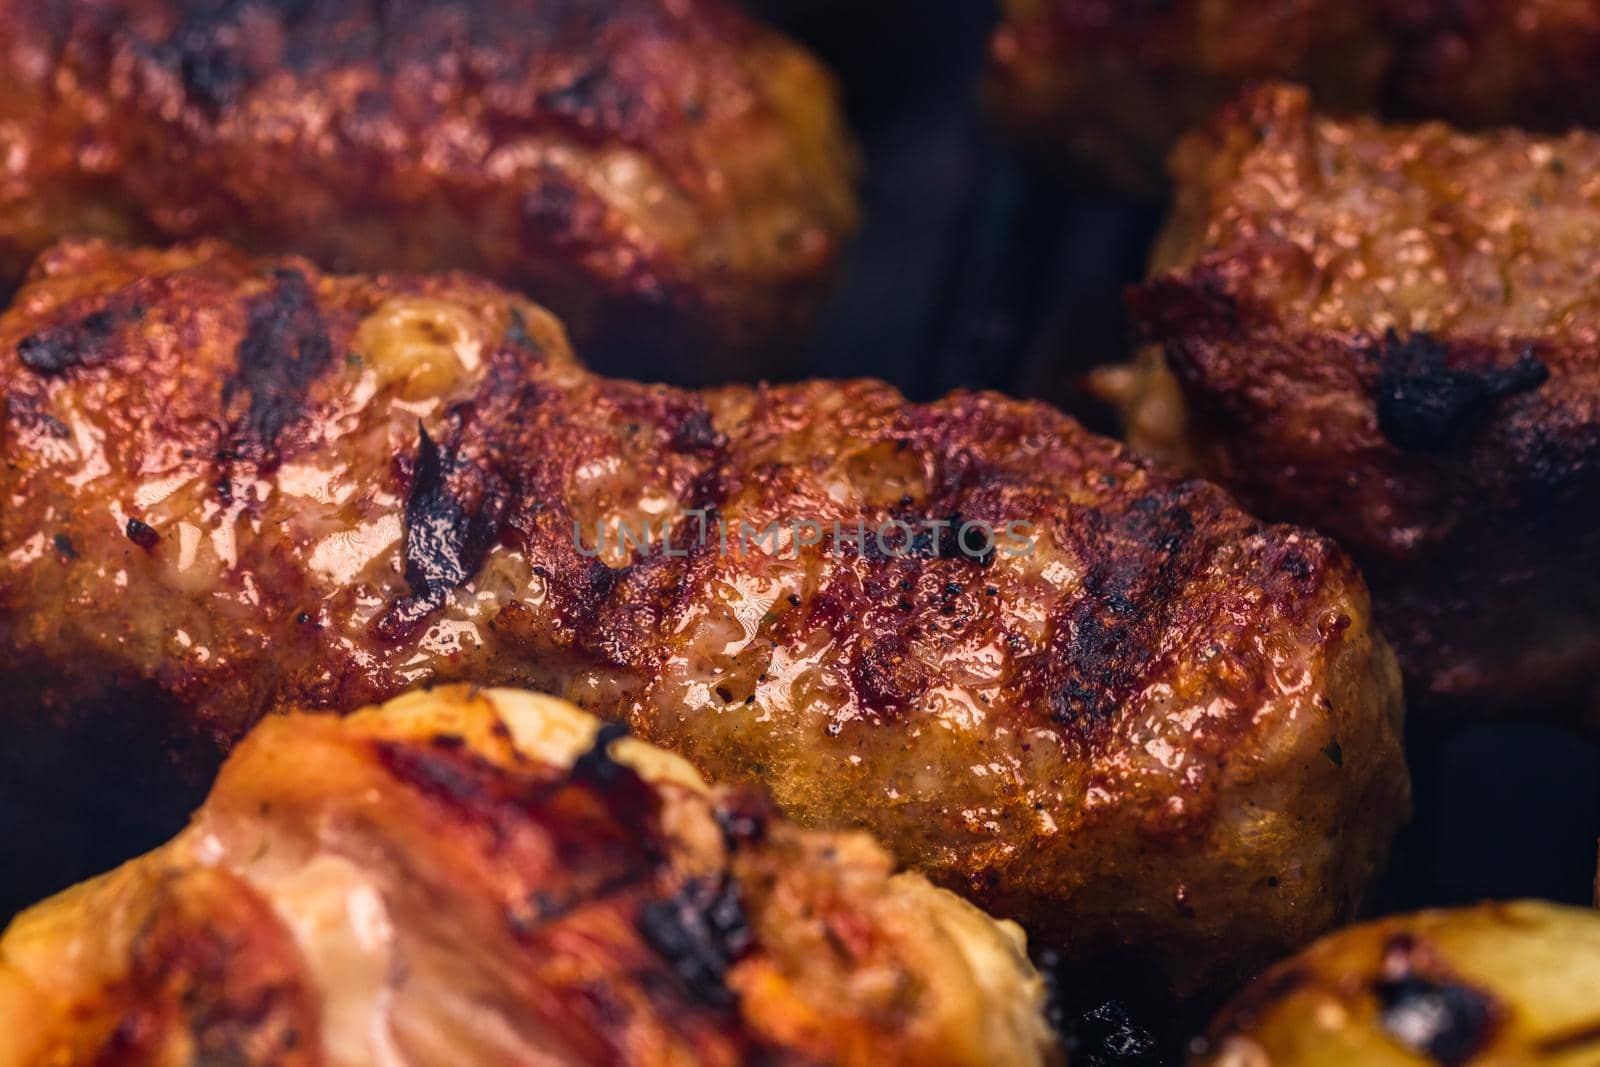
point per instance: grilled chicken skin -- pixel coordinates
(1097, 699)
(1108, 86)
(473, 876)
(1511, 984)
(672, 179)
(1388, 334)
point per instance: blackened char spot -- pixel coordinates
(592, 97)
(284, 350)
(959, 537)
(454, 513)
(597, 766)
(602, 579)
(912, 534)
(28, 411)
(212, 66)
(517, 335)
(1296, 564)
(57, 349)
(581, 92)
(700, 932)
(887, 675)
(695, 433)
(630, 801)
(1424, 405)
(1100, 644)
(1448, 1023)
(210, 50)
(142, 534)
(1430, 1012)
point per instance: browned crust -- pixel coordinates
(1164, 729)
(1433, 401)
(214, 963)
(669, 176)
(385, 883)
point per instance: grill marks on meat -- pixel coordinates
(599, 838)
(214, 960)
(451, 885)
(80, 344)
(701, 930)
(1102, 645)
(494, 128)
(1071, 712)
(218, 52)
(285, 349)
(1456, 455)
(211, 45)
(598, 825)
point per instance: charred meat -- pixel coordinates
(1098, 699)
(674, 180)
(1388, 333)
(482, 876)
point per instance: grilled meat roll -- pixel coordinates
(1108, 86)
(672, 179)
(475, 876)
(1511, 984)
(1388, 333)
(1097, 699)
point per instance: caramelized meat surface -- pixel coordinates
(1389, 334)
(1109, 85)
(1100, 700)
(1499, 983)
(668, 176)
(471, 876)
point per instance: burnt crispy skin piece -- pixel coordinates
(1389, 334)
(1496, 983)
(1108, 86)
(471, 876)
(675, 181)
(1166, 730)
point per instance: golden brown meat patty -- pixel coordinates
(1389, 334)
(479, 877)
(1513, 984)
(1100, 700)
(1108, 85)
(672, 179)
